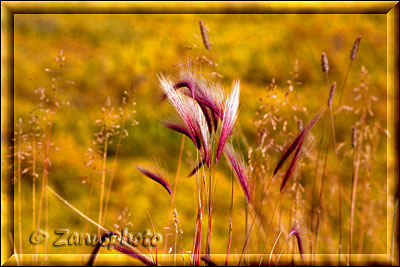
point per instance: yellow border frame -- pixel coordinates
(8, 9)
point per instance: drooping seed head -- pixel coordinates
(194, 123)
(331, 94)
(324, 62)
(237, 164)
(156, 175)
(204, 35)
(353, 52)
(354, 136)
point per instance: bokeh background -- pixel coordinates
(108, 54)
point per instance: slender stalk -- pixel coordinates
(103, 177)
(114, 166)
(89, 203)
(356, 167)
(46, 169)
(273, 248)
(175, 186)
(246, 241)
(320, 199)
(339, 182)
(313, 189)
(230, 225)
(344, 84)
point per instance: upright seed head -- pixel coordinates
(324, 62)
(353, 52)
(354, 136)
(204, 35)
(331, 94)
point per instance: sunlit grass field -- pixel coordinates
(277, 59)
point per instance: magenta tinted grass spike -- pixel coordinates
(182, 105)
(293, 163)
(299, 139)
(237, 163)
(192, 115)
(207, 117)
(228, 118)
(201, 93)
(155, 177)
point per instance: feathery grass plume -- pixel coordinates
(331, 94)
(204, 92)
(237, 163)
(296, 144)
(156, 175)
(180, 104)
(324, 62)
(204, 35)
(354, 136)
(195, 124)
(353, 52)
(229, 117)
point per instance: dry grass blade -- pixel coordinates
(155, 177)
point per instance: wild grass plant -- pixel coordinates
(287, 180)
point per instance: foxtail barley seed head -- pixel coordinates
(156, 176)
(237, 164)
(331, 94)
(204, 35)
(324, 62)
(295, 145)
(354, 136)
(229, 117)
(353, 52)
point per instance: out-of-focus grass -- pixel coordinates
(106, 54)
